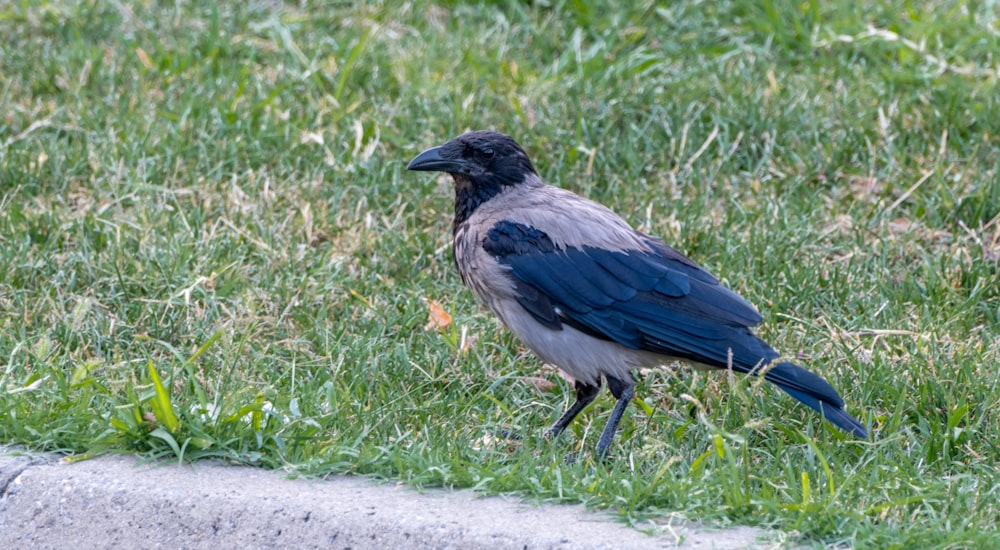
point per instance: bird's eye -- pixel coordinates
(487, 152)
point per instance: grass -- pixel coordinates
(209, 246)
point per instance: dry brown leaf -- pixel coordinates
(437, 317)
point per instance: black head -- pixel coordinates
(483, 164)
(481, 158)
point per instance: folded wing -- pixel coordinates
(655, 300)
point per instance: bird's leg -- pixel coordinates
(585, 395)
(623, 390)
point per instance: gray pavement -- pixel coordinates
(121, 502)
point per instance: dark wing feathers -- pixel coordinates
(681, 262)
(606, 325)
(577, 283)
(641, 272)
(517, 238)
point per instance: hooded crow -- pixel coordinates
(588, 293)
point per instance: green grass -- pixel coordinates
(209, 246)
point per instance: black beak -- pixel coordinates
(432, 161)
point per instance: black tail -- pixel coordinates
(816, 393)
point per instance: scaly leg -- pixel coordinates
(585, 395)
(623, 390)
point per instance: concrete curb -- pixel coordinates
(120, 502)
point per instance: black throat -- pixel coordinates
(469, 195)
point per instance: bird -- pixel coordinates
(586, 292)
